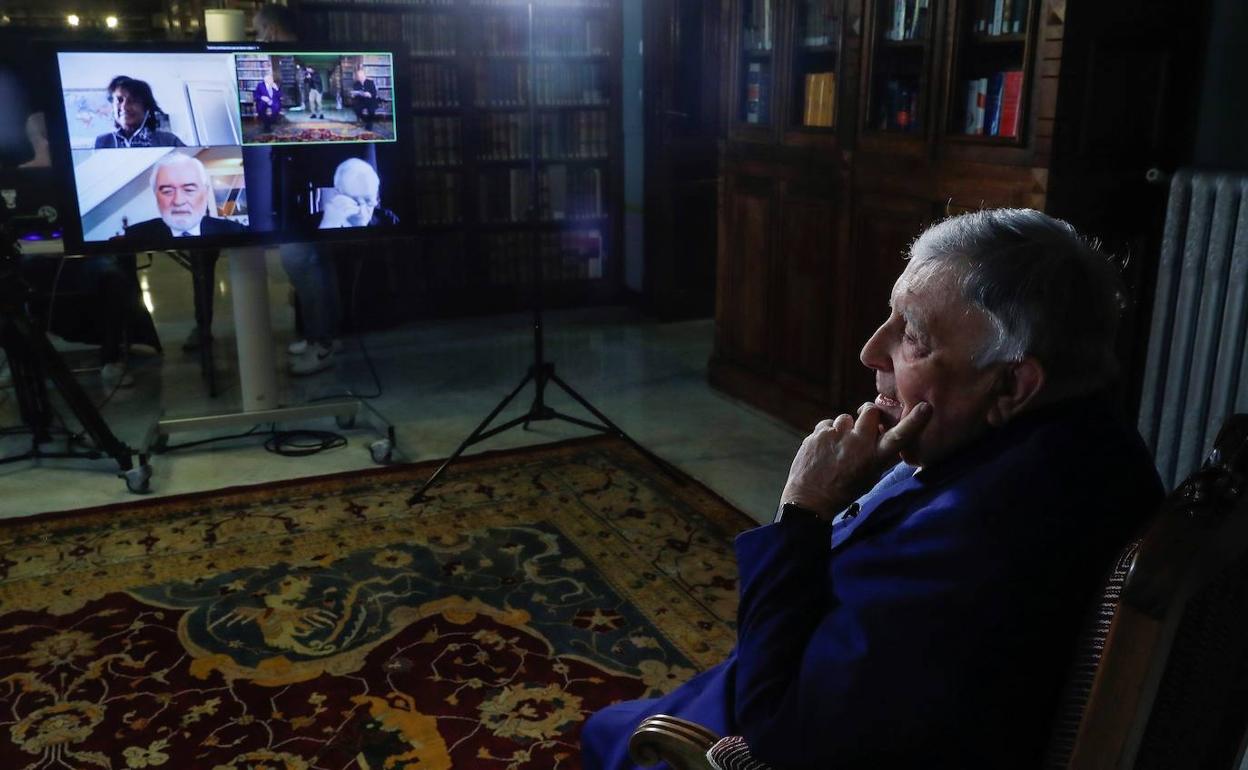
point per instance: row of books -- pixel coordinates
(898, 108)
(564, 194)
(993, 104)
(1000, 17)
(557, 84)
(438, 141)
(820, 100)
(434, 85)
(910, 20)
(756, 25)
(563, 36)
(438, 195)
(568, 256)
(556, 4)
(565, 83)
(429, 34)
(564, 135)
(820, 25)
(757, 102)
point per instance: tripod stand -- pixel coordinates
(33, 360)
(542, 372)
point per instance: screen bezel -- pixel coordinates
(63, 162)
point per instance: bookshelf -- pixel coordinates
(469, 86)
(940, 106)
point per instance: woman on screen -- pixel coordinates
(136, 117)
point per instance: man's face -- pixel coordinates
(925, 352)
(363, 189)
(127, 111)
(181, 196)
(359, 75)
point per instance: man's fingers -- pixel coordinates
(844, 422)
(906, 430)
(868, 425)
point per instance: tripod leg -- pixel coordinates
(662, 464)
(473, 438)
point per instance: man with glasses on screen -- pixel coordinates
(183, 196)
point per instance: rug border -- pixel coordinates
(143, 504)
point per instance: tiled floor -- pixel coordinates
(440, 378)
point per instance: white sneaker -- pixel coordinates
(299, 347)
(114, 376)
(317, 358)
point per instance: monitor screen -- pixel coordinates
(229, 144)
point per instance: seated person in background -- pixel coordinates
(184, 196)
(268, 100)
(364, 98)
(136, 116)
(917, 599)
(96, 301)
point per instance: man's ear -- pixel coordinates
(1018, 386)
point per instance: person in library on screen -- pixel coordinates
(312, 85)
(183, 193)
(364, 98)
(136, 117)
(268, 100)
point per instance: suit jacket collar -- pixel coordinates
(874, 510)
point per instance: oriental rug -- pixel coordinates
(324, 623)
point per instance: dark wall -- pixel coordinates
(1222, 127)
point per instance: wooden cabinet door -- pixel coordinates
(805, 287)
(884, 228)
(743, 310)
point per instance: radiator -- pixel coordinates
(1196, 373)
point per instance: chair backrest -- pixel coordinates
(1158, 682)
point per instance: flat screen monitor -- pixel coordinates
(231, 144)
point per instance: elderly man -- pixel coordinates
(184, 197)
(364, 98)
(353, 200)
(922, 613)
(136, 117)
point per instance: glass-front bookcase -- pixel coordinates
(816, 64)
(991, 50)
(902, 34)
(757, 36)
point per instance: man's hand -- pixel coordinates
(841, 459)
(339, 212)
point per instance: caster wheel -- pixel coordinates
(138, 480)
(345, 421)
(382, 451)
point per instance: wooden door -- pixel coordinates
(1129, 85)
(744, 310)
(682, 60)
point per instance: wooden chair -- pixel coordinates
(1160, 678)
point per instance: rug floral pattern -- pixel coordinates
(327, 624)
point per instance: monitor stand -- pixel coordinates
(257, 363)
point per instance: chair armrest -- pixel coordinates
(679, 742)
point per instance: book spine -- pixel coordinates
(992, 105)
(754, 93)
(981, 96)
(1011, 102)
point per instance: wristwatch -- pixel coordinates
(793, 512)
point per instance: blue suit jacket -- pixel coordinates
(935, 627)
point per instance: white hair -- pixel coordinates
(1047, 291)
(180, 157)
(354, 167)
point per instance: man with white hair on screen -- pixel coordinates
(183, 193)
